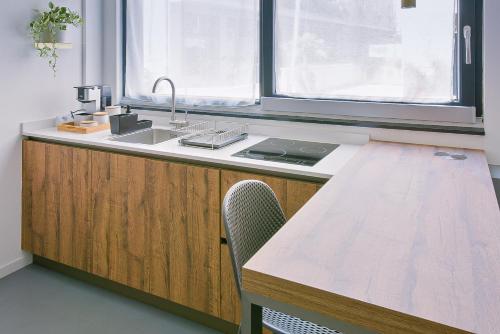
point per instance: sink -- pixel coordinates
(149, 136)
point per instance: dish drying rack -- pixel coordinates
(206, 135)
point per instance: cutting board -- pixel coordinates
(71, 127)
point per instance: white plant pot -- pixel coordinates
(45, 37)
(60, 37)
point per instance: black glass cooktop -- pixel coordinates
(288, 151)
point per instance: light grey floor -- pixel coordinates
(496, 183)
(35, 300)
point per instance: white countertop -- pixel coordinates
(324, 169)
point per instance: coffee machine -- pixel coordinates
(94, 97)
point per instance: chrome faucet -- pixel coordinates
(177, 123)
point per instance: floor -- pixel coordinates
(35, 300)
(496, 183)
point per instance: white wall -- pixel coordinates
(492, 80)
(112, 46)
(28, 91)
(93, 41)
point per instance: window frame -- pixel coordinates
(467, 110)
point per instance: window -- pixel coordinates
(209, 48)
(366, 50)
(346, 57)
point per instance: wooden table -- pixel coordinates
(400, 241)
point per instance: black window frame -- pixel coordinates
(470, 77)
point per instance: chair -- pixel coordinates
(252, 215)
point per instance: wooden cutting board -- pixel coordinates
(71, 127)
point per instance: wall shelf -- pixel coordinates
(54, 45)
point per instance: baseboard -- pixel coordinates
(15, 265)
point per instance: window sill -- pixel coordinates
(387, 110)
(256, 112)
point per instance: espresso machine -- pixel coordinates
(94, 98)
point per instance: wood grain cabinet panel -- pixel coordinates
(298, 193)
(128, 224)
(120, 230)
(184, 212)
(156, 228)
(230, 299)
(101, 213)
(292, 195)
(56, 220)
(149, 224)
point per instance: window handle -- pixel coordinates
(468, 45)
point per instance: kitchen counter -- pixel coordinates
(324, 170)
(400, 241)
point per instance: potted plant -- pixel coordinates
(49, 27)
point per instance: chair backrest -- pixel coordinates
(252, 215)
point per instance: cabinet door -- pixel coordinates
(101, 213)
(56, 203)
(129, 228)
(156, 228)
(184, 211)
(291, 194)
(120, 225)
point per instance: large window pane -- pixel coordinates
(368, 50)
(209, 48)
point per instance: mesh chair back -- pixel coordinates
(252, 215)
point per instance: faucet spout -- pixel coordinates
(177, 123)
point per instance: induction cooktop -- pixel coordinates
(288, 151)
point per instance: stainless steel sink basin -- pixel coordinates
(149, 136)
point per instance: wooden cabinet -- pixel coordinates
(101, 213)
(156, 228)
(121, 228)
(149, 224)
(56, 203)
(292, 195)
(184, 213)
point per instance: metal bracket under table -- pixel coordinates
(251, 320)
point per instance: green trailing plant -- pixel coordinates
(45, 27)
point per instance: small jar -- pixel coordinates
(101, 117)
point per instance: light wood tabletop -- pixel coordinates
(400, 241)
